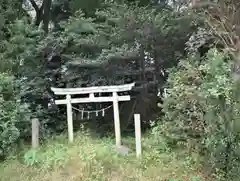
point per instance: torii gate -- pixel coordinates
(115, 98)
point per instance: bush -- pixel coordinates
(25, 55)
(202, 111)
(12, 114)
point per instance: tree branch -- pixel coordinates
(34, 4)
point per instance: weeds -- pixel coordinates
(91, 159)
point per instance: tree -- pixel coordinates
(112, 48)
(222, 19)
(117, 44)
(43, 13)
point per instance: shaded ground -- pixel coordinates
(89, 159)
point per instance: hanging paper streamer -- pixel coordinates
(82, 113)
(103, 112)
(88, 112)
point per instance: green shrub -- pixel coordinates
(202, 109)
(24, 56)
(13, 117)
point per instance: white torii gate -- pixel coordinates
(115, 98)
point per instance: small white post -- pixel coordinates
(35, 133)
(69, 118)
(116, 119)
(137, 123)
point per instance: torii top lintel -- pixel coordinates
(95, 89)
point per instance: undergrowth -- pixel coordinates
(201, 112)
(96, 159)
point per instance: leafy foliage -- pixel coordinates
(20, 49)
(23, 56)
(14, 117)
(202, 109)
(98, 47)
(117, 39)
(115, 44)
(199, 39)
(222, 20)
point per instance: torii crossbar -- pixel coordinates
(115, 98)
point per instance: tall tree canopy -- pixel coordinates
(73, 44)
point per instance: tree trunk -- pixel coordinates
(39, 16)
(39, 12)
(46, 14)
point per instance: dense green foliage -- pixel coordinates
(79, 44)
(14, 116)
(114, 41)
(202, 110)
(108, 48)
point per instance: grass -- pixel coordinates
(92, 159)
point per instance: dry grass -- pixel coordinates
(91, 159)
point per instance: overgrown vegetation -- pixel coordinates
(191, 50)
(95, 159)
(13, 114)
(202, 108)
